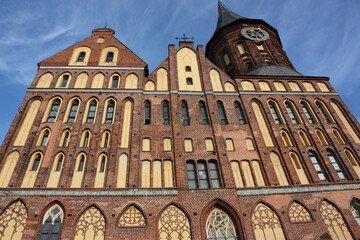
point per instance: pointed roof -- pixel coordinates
(226, 16)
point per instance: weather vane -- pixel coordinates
(184, 38)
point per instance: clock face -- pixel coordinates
(255, 34)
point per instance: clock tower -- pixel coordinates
(243, 46)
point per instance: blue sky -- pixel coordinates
(321, 37)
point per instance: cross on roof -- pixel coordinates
(184, 37)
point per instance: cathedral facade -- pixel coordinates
(226, 141)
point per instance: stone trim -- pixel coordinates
(297, 189)
(91, 68)
(82, 192)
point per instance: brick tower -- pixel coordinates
(233, 143)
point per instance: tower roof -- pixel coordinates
(226, 16)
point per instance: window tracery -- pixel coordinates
(298, 213)
(174, 224)
(219, 226)
(132, 217)
(13, 221)
(91, 225)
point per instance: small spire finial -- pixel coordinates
(184, 37)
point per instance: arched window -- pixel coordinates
(209, 145)
(355, 209)
(308, 112)
(81, 57)
(36, 163)
(65, 137)
(8, 168)
(73, 111)
(146, 145)
(105, 140)
(110, 110)
(214, 174)
(81, 165)
(318, 168)
(203, 113)
(166, 112)
(147, 112)
(91, 225)
(187, 68)
(173, 224)
(78, 173)
(324, 112)
(56, 169)
(320, 135)
(64, 80)
(132, 217)
(298, 213)
(219, 226)
(85, 139)
(109, 57)
(229, 144)
(90, 118)
(59, 163)
(115, 81)
(32, 170)
(203, 174)
(52, 223)
(188, 146)
(44, 137)
(13, 221)
(298, 168)
(53, 110)
(240, 113)
(100, 171)
(222, 113)
(338, 136)
(353, 161)
(185, 113)
(189, 81)
(275, 112)
(292, 113)
(122, 171)
(304, 138)
(286, 138)
(335, 163)
(102, 164)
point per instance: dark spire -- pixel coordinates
(226, 16)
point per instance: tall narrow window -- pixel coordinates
(191, 174)
(185, 113)
(59, 163)
(240, 113)
(203, 113)
(318, 168)
(275, 113)
(338, 136)
(324, 112)
(102, 164)
(53, 110)
(308, 113)
(91, 112)
(81, 57)
(85, 139)
(110, 108)
(73, 111)
(52, 223)
(304, 138)
(64, 141)
(355, 209)
(115, 82)
(147, 112)
(335, 163)
(105, 140)
(36, 163)
(146, 145)
(203, 174)
(81, 164)
(214, 174)
(167, 144)
(64, 81)
(229, 144)
(188, 147)
(109, 57)
(222, 113)
(286, 138)
(45, 138)
(292, 114)
(209, 145)
(321, 137)
(166, 112)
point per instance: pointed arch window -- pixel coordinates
(275, 112)
(286, 138)
(105, 140)
(292, 113)
(320, 135)
(85, 139)
(91, 225)
(219, 226)
(53, 110)
(110, 109)
(240, 113)
(81, 163)
(81, 57)
(45, 138)
(203, 113)
(222, 113)
(147, 112)
(173, 224)
(109, 57)
(308, 112)
(338, 136)
(185, 113)
(166, 112)
(65, 138)
(36, 163)
(65, 80)
(59, 163)
(355, 210)
(52, 223)
(73, 111)
(304, 138)
(318, 168)
(115, 81)
(335, 163)
(102, 164)
(91, 112)
(13, 221)
(324, 112)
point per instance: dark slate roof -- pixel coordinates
(226, 16)
(274, 71)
